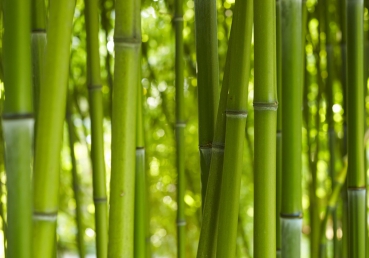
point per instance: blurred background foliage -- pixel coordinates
(159, 120)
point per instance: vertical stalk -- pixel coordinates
(18, 125)
(279, 129)
(355, 122)
(180, 126)
(236, 113)
(97, 134)
(140, 184)
(127, 38)
(49, 128)
(75, 180)
(291, 209)
(207, 81)
(265, 108)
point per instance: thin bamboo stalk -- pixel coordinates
(49, 130)
(18, 124)
(291, 209)
(97, 134)
(355, 122)
(127, 38)
(207, 82)
(265, 108)
(180, 130)
(140, 181)
(235, 113)
(75, 181)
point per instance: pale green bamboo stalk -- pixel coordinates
(127, 38)
(75, 182)
(180, 130)
(49, 130)
(18, 126)
(265, 108)
(97, 134)
(292, 63)
(207, 82)
(236, 113)
(355, 122)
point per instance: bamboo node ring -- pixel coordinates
(236, 113)
(273, 106)
(44, 216)
(181, 222)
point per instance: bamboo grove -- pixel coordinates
(185, 128)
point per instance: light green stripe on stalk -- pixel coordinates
(265, 125)
(97, 133)
(180, 129)
(49, 128)
(18, 125)
(236, 113)
(207, 81)
(355, 125)
(127, 38)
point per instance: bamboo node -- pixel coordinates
(273, 106)
(128, 42)
(181, 124)
(236, 113)
(92, 87)
(181, 223)
(44, 216)
(100, 200)
(178, 19)
(218, 147)
(297, 215)
(13, 116)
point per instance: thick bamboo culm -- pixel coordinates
(140, 181)
(97, 134)
(18, 122)
(127, 42)
(292, 63)
(207, 81)
(356, 189)
(49, 130)
(265, 108)
(180, 129)
(235, 113)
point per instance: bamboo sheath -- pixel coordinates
(17, 122)
(207, 81)
(236, 113)
(291, 209)
(127, 38)
(180, 127)
(97, 134)
(355, 124)
(49, 130)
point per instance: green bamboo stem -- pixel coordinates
(49, 130)
(207, 81)
(355, 122)
(38, 43)
(75, 180)
(279, 129)
(291, 210)
(97, 134)
(18, 126)
(140, 182)
(180, 127)
(265, 108)
(208, 235)
(127, 38)
(235, 113)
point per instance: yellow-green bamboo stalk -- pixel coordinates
(355, 124)
(18, 126)
(49, 131)
(97, 134)
(127, 39)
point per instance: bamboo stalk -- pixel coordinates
(265, 108)
(235, 113)
(355, 122)
(97, 134)
(49, 128)
(180, 127)
(207, 81)
(127, 38)
(291, 210)
(140, 181)
(18, 124)
(75, 180)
